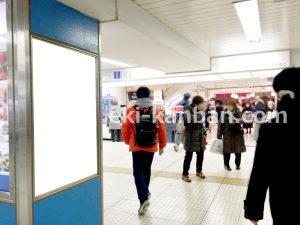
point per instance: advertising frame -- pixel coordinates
(9, 197)
(98, 119)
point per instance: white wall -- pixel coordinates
(118, 92)
(295, 58)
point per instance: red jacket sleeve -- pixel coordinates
(127, 127)
(162, 133)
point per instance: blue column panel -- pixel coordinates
(7, 215)
(54, 20)
(77, 206)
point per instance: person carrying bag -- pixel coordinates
(232, 133)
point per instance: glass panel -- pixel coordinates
(65, 129)
(4, 135)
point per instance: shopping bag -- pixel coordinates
(217, 147)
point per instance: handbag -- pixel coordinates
(217, 147)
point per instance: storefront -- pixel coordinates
(50, 115)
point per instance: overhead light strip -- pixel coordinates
(248, 13)
(113, 62)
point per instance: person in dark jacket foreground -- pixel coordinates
(194, 140)
(277, 157)
(233, 135)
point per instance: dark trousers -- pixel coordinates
(238, 157)
(142, 162)
(187, 162)
(113, 135)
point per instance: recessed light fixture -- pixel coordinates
(182, 79)
(208, 78)
(133, 83)
(113, 62)
(248, 13)
(268, 73)
(232, 76)
(159, 81)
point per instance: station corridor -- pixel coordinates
(215, 200)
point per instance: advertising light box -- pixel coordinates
(65, 119)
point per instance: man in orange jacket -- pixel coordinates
(143, 156)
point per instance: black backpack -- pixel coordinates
(145, 127)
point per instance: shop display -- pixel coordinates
(106, 103)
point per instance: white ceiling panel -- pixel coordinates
(214, 26)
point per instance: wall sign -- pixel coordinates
(261, 61)
(158, 97)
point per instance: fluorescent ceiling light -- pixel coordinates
(189, 73)
(182, 79)
(116, 63)
(208, 78)
(110, 84)
(160, 81)
(248, 13)
(236, 76)
(133, 83)
(270, 73)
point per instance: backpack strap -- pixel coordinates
(148, 112)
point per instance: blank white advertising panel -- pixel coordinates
(65, 129)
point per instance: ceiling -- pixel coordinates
(122, 43)
(214, 26)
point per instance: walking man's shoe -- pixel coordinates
(186, 178)
(227, 168)
(200, 174)
(144, 207)
(176, 147)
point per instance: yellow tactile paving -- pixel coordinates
(164, 174)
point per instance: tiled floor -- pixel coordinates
(216, 200)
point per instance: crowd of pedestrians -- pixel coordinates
(233, 120)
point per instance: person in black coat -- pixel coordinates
(276, 163)
(219, 110)
(260, 113)
(207, 116)
(248, 115)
